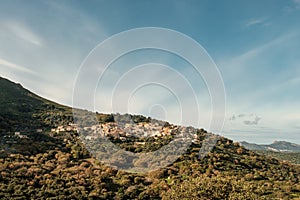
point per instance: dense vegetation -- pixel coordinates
(228, 172)
(49, 165)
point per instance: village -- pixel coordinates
(117, 130)
(123, 131)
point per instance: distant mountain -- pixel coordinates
(276, 146)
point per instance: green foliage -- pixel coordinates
(222, 174)
(215, 187)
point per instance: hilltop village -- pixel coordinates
(122, 132)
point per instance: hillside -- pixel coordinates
(22, 110)
(50, 161)
(26, 119)
(17, 106)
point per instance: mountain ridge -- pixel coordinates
(276, 146)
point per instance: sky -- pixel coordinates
(255, 46)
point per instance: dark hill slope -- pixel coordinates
(17, 106)
(22, 110)
(31, 116)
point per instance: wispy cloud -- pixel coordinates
(14, 66)
(238, 67)
(23, 32)
(256, 21)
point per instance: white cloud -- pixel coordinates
(23, 32)
(14, 66)
(256, 21)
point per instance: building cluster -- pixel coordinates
(139, 130)
(12, 137)
(117, 130)
(123, 131)
(19, 135)
(70, 127)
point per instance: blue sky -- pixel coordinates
(255, 45)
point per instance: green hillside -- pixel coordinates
(52, 163)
